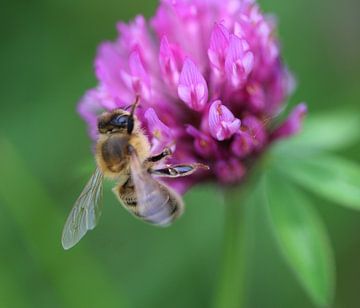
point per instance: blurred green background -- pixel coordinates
(46, 55)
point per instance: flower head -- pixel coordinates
(210, 77)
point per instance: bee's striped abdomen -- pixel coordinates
(151, 212)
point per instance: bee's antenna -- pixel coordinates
(130, 125)
(134, 106)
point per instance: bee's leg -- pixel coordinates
(174, 171)
(156, 158)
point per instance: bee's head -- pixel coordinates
(116, 121)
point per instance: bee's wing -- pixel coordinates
(156, 203)
(85, 213)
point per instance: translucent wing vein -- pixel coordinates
(85, 213)
(156, 203)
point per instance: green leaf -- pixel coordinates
(333, 178)
(331, 131)
(302, 238)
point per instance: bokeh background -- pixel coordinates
(46, 55)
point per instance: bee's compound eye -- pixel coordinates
(120, 120)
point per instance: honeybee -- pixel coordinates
(123, 154)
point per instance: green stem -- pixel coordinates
(231, 293)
